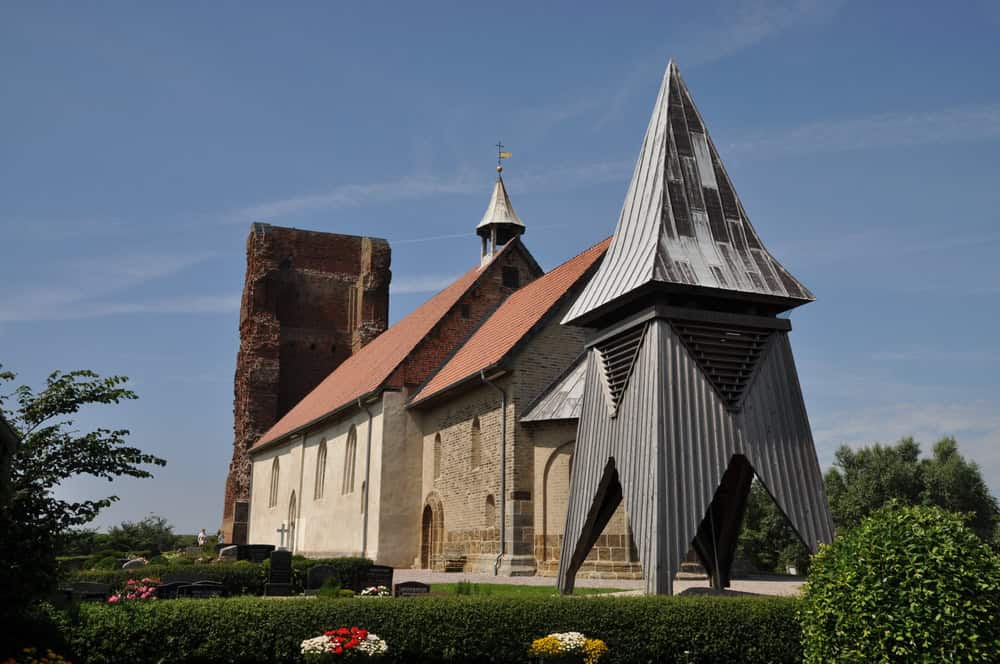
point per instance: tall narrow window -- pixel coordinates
(272, 499)
(350, 460)
(437, 455)
(490, 513)
(320, 471)
(475, 450)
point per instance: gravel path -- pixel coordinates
(755, 585)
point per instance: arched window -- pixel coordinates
(475, 451)
(350, 460)
(437, 455)
(320, 471)
(490, 513)
(292, 519)
(272, 499)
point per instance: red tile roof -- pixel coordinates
(512, 320)
(368, 369)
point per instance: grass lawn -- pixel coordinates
(509, 590)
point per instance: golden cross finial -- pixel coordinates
(501, 155)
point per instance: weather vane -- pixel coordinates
(501, 155)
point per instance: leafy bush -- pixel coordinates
(908, 584)
(455, 629)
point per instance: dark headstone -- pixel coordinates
(318, 575)
(411, 589)
(255, 553)
(279, 581)
(379, 575)
(201, 590)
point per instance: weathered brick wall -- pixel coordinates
(310, 300)
(463, 320)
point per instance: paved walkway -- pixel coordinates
(761, 585)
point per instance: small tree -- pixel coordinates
(767, 539)
(910, 584)
(153, 533)
(50, 452)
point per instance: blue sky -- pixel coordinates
(139, 143)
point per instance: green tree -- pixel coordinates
(153, 533)
(51, 451)
(861, 481)
(908, 584)
(952, 483)
(767, 540)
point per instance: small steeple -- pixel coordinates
(500, 224)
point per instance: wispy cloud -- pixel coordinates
(353, 195)
(557, 178)
(410, 284)
(85, 287)
(735, 27)
(960, 124)
(193, 304)
(747, 23)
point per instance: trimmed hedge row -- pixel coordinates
(238, 578)
(443, 629)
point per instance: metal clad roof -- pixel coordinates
(499, 210)
(563, 400)
(682, 221)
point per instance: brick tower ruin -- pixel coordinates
(310, 300)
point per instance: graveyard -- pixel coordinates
(574, 429)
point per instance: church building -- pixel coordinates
(446, 442)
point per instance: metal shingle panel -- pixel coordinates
(681, 210)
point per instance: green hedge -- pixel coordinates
(454, 629)
(238, 578)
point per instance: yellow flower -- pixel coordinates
(547, 646)
(593, 650)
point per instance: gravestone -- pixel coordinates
(135, 562)
(318, 575)
(230, 552)
(411, 589)
(255, 553)
(89, 592)
(279, 582)
(379, 575)
(192, 551)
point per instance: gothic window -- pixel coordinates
(437, 455)
(320, 471)
(350, 460)
(272, 499)
(475, 446)
(490, 513)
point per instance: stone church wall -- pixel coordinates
(310, 300)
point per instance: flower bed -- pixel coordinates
(343, 643)
(568, 647)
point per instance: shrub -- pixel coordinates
(908, 584)
(456, 629)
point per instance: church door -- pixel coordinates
(426, 532)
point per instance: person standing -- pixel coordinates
(202, 537)
(220, 539)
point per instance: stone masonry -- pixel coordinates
(310, 300)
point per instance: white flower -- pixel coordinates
(316, 645)
(571, 641)
(373, 645)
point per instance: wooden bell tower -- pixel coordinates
(691, 388)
